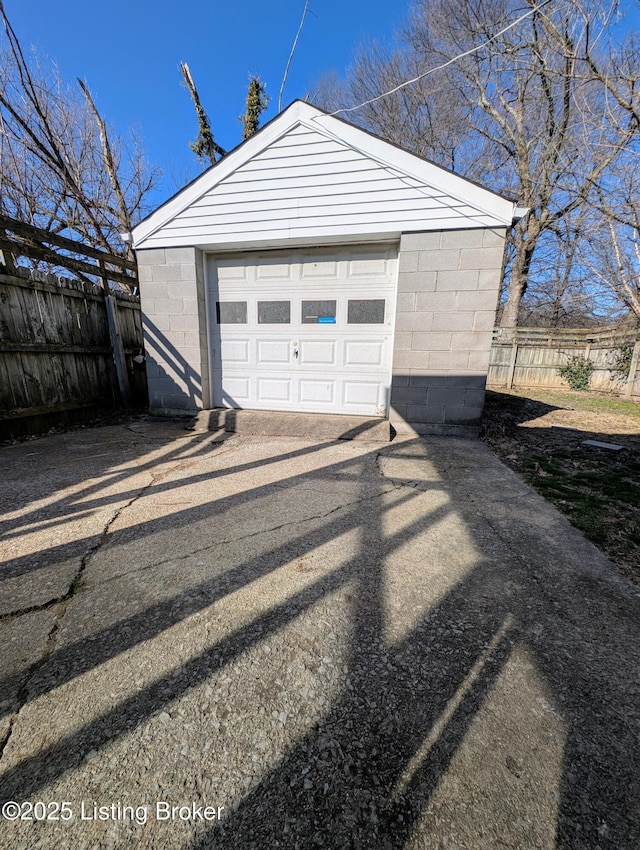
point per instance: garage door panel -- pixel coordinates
(274, 389)
(317, 392)
(360, 392)
(367, 266)
(318, 352)
(274, 270)
(273, 351)
(323, 269)
(234, 390)
(363, 353)
(235, 350)
(233, 271)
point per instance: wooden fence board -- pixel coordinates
(531, 357)
(29, 231)
(8, 400)
(56, 351)
(14, 316)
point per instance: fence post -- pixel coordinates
(6, 257)
(118, 348)
(633, 368)
(512, 365)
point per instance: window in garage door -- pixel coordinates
(274, 312)
(231, 312)
(318, 313)
(366, 312)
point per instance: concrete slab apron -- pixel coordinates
(331, 644)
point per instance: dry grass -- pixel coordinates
(540, 435)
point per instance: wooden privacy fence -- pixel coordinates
(531, 357)
(70, 345)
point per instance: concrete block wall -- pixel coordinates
(448, 286)
(172, 294)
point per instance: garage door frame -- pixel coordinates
(356, 271)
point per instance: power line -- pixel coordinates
(293, 50)
(445, 65)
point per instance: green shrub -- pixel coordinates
(576, 372)
(622, 362)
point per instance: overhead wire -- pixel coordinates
(445, 64)
(290, 59)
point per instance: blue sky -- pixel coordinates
(129, 53)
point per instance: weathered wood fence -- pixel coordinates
(67, 341)
(531, 357)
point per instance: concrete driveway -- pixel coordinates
(276, 642)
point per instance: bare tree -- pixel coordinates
(61, 169)
(537, 106)
(612, 252)
(542, 112)
(566, 292)
(424, 118)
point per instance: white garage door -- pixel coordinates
(303, 331)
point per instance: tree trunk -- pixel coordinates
(525, 244)
(512, 307)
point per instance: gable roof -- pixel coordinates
(309, 177)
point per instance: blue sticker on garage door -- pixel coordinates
(326, 320)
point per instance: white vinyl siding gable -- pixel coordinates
(310, 185)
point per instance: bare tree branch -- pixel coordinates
(542, 107)
(60, 168)
(122, 210)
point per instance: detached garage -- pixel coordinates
(317, 268)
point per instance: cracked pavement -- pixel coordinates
(341, 644)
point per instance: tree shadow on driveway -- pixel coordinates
(481, 685)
